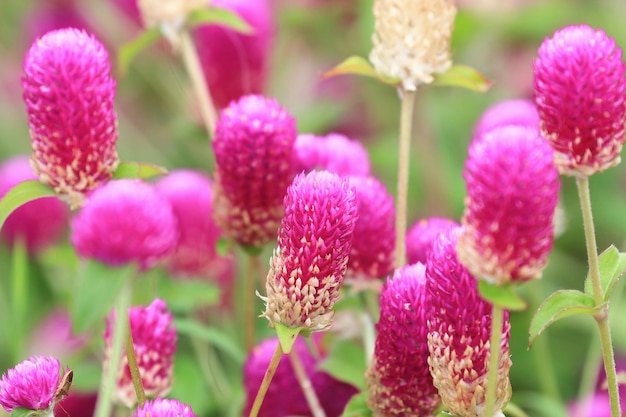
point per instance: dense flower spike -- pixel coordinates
(412, 39)
(398, 379)
(69, 94)
(33, 384)
(512, 193)
(254, 166)
(167, 12)
(125, 221)
(161, 407)
(373, 245)
(154, 338)
(459, 327)
(333, 152)
(420, 237)
(314, 242)
(39, 222)
(580, 91)
(518, 112)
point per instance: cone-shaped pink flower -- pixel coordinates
(236, 64)
(512, 193)
(254, 166)
(373, 245)
(164, 407)
(33, 384)
(125, 221)
(398, 379)
(420, 237)
(459, 327)
(40, 222)
(154, 339)
(69, 93)
(333, 152)
(516, 112)
(314, 242)
(580, 91)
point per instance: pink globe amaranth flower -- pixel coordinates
(154, 339)
(40, 223)
(49, 16)
(254, 166)
(54, 336)
(459, 327)
(164, 407)
(374, 239)
(516, 112)
(512, 193)
(69, 94)
(236, 64)
(420, 237)
(579, 91)
(314, 243)
(77, 404)
(33, 384)
(125, 221)
(333, 152)
(284, 397)
(398, 379)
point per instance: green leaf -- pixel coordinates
(184, 296)
(138, 170)
(223, 246)
(128, 51)
(561, 304)
(463, 76)
(346, 362)
(25, 412)
(97, 289)
(219, 16)
(359, 66)
(286, 336)
(21, 194)
(504, 296)
(357, 406)
(612, 265)
(542, 405)
(213, 336)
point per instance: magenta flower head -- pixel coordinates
(254, 166)
(34, 384)
(154, 339)
(125, 221)
(40, 222)
(69, 93)
(164, 407)
(512, 193)
(314, 242)
(517, 112)
(374, 239)
(333, 152)
(420, 237)
(398, 378)
(459, 327)
(579, 91)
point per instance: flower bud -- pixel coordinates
(519, 112)
(420, 237)
(333, 152)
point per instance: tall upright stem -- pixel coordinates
(305, 384)
(602, 319)
(267, 379)
(497, 317)
(406, 124)
(132, 365)
(19, 291)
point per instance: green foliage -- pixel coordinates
(25, 412)
(21, 194)
(287, 336)
(138, 170)
(211, 335)
(504, 296)
(357, 406)
(185, 296)
(612, 265)
(219, 16)
(130, 50)
(346, 362)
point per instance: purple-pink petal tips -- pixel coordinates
(164, 407)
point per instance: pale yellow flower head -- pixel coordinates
(167, 12)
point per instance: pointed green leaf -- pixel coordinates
(357, 406)
(185, 296)
(346, 362)
(286, 336)
(463, 76)
(612, 264)
(25, 412)
(138, 170)
(359, 66)
(21, 194)
(561, 304)
(504, 296)
(219, 16)
(213, 336)
(127, 52)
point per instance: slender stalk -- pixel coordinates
(497, 317)
(305, 384)
(132, 364)
(513, 410)
(591, 368)
(109, 375)
(602, 319)
(406, 122)
(19, 294)
(194, 69)
(267, 379)
(249, 300)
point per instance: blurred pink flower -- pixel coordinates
(516, 112)
(77, 405)
(333, 152)
(164, 407)
(51, 15)
(54, 336)
(420, 237)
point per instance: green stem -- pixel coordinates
(495, 350)
(591, 368)
(513, 410)
(406, 122)
(19, 294)
(267, 379)
(602, 319)
(132, 364)
(305, 384)
(249, 300)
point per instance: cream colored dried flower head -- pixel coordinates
(167, 12)
(412, 39)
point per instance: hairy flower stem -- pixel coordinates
(602, 319)
(105, 394)
(132, 364)
(19, 274)
(267, 379)
(497, 318)
(254, 268)
(194, 69)
(305, 384)
(406, 122)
